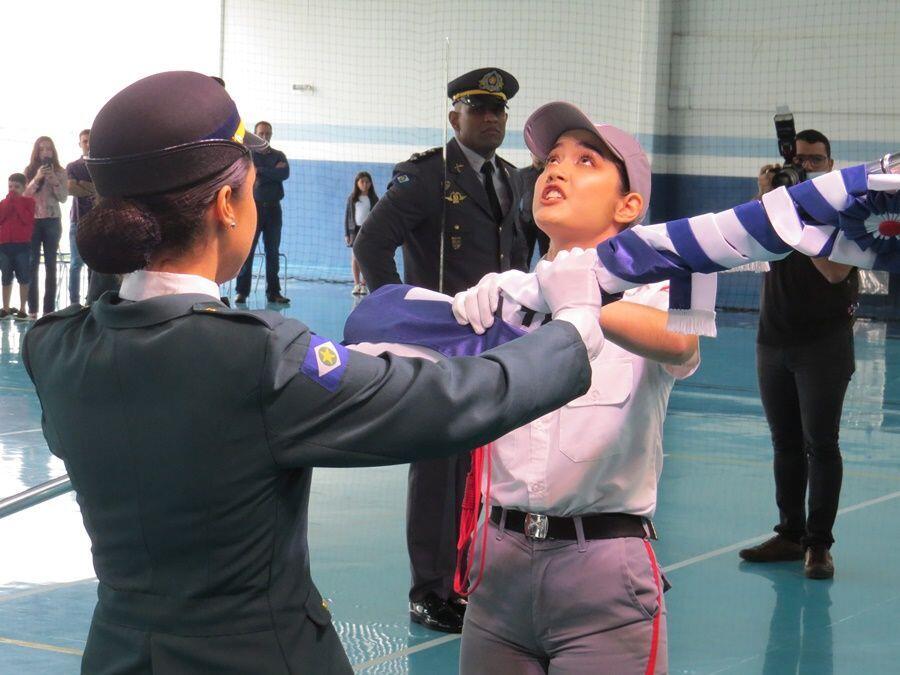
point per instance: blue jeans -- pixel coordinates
(15, 262)
(75, 265)
(47, 232)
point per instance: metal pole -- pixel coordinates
(222, 40)
(444, 184)
(36, 495)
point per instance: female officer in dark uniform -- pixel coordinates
(189, 429)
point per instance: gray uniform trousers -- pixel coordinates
(565, 607)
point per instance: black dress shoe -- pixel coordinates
(279, 299)
(818, 563)
(240, 299)
(459, 606)
(437, 614)
(776, 549)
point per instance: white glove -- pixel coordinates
(477, 305)
(570, 289)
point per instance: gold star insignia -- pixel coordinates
(327, 356)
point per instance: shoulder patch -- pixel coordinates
(213, 308)
(325, 362)
(425, 154)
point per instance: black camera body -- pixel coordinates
(48, 163)
(791, 173)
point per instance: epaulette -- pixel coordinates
(509, 165)
(70, 311)
(267, 318)
(425, 154)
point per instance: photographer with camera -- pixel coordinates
(804, 363)
(47, 184)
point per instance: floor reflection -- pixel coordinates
(800, 635)
(11, 334)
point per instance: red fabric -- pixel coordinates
(468, 522)
(16, 219)
(654, 641)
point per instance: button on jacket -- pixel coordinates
(190, 444)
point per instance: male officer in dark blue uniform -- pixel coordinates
(456, 222)
(189, 430)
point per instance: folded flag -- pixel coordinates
(415, 316)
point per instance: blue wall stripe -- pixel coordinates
(316, 194)
(313, 236)
(707, 146)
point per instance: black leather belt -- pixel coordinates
(597, 526)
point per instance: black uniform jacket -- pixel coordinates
(410, 214)
(189, 431)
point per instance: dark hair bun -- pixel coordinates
(118, 236)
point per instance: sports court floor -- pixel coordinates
(716, 496)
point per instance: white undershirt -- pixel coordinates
(362, 208)
(476, 161)
(143, 285)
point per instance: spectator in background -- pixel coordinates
(526, 178)
(804, 362)
(360, 202)
(81, 187)
(272, 170)
(47, 183)
(16, 227)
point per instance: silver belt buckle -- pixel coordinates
(536, 526)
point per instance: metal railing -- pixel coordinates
(35, 495)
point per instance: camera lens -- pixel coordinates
(788, 175)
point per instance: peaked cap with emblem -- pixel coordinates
(166, 131)
(483, 85)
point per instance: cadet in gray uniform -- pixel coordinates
(472, 204)
(189, 429)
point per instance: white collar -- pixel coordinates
(143, 284)
(475, 160)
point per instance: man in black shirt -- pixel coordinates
(272, 170)
(804, 363)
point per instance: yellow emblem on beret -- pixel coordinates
(492, 82)
(239, 133)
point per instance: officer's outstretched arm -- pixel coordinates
(405, 206)
(323, 405)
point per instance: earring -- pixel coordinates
(233, 224)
